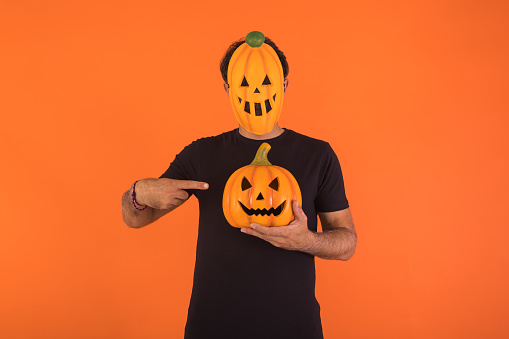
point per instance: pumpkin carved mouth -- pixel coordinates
(274, 211)
(258, 106)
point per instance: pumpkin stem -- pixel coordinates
(255, 39)
(261, 156)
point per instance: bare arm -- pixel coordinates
(131, 216)
(339, 237)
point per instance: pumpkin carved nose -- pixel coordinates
(259, 197)
(256, 90)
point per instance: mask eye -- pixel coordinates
(244, 82)
(245, 184)
(274, 184)
(266, 81)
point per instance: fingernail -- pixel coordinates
(206, 185)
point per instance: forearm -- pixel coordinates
(336, 244)
(133, 217)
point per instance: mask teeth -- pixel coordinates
(258, 109)
(257, 106)
(268, 107)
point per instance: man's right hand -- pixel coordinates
(165, 193)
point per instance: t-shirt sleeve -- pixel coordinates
(331, 194)
(184, 166)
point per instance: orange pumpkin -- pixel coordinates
(260, 193)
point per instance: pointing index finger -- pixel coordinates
(191, 184)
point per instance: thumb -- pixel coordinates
(298, 211)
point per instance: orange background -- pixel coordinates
(97, 94)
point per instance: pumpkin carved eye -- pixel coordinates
(274, 184)
(244, 82)
(245, 184)
(266, 81)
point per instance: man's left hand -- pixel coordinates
(295, 236)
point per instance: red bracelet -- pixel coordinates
(134, 199)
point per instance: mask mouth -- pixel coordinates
(258, 106)
(271, 211)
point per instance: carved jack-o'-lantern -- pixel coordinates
(260, 193)
(255, 79)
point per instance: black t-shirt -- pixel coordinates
(244, 287)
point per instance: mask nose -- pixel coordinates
(259, 197)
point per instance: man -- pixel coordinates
(259, 281)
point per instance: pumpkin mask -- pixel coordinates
(260, 193)
(255, 80)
